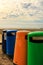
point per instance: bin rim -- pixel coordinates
(35, 33)
(11, 31)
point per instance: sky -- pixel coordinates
(21, 12)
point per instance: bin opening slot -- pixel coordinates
(26, 37)
(15, 64)
(36, 39)
(13, 33)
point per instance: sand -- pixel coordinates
(4, 59)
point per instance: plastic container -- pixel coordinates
(20, 53)
(4, 41)
(10, 42)
(35, 48)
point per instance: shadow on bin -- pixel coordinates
(20, 51)
(10, 42)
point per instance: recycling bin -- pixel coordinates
(4, 41)
(10, 42)
(35, 48)
(20, 52)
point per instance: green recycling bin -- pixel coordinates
(35, 48)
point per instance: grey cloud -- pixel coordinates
(13, 16)
(39, 21)
(26, 5)
(10, 16)
(34, 7)
(37, 14)
(34, 13)
(30, 14)
(41, 2)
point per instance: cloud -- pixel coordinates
(38, 21)
(41, 2)
(35, 8)
(10, 16)
(4, 17)
(13, 15)
(17, 9)
(26, 5)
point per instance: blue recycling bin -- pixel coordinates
(10, 42)
(4, 41)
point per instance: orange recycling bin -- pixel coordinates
(20, 51)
